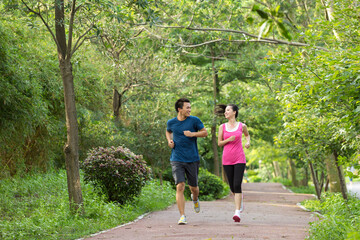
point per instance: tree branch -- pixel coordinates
(76, 47)
(268, 40)
(69, 51)
(43, 20)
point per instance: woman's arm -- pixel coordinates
(222, 142)
(247, 136)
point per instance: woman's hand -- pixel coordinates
(232, 138)
(247, 145)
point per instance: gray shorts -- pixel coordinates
(190, 169)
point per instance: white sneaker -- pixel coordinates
(196, 204)
(182, 220)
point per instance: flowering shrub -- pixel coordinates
(116, 172)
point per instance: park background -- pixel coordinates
(79, 75)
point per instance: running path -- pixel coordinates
(270, 213)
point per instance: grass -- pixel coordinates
(37, 207)
(308, 190)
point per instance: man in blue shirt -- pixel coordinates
(182, 133)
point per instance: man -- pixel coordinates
(182, 133)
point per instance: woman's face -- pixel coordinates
(229, 112)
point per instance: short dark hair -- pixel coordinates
(220, 109)
(180, 103)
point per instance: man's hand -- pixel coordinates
(171, 144)
(188, 133)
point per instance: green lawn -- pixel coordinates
(37, 207)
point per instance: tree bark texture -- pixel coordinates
(71, 148)
(333, 177)
(341, 176)
(315, 180)
(116, 103)
(293, 172)
(277, 169)
(214, 127)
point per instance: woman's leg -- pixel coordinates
(238, 178)
(229, 171)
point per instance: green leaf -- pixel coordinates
(262, 14)
(255, 7)
(283, 31)
(250, 20)
(262, 28)
(269, 27)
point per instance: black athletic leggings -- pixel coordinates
(235, 174)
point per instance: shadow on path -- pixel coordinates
(270, 213)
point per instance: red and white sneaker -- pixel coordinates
(236, 218)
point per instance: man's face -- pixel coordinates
(186, 110)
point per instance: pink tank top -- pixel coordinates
(233, 152)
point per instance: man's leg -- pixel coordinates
(195, 192)
(180, 199)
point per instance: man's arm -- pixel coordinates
(169, 139)
(202, 133)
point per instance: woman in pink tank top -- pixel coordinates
(233, 159)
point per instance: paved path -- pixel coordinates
(354, 188)
(270, 213)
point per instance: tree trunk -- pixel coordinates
(341, 176)
(214, 122)
(293, 173)
(215, 149)
(71, 148)
(305, 180)
(315, 180)
(116, 103)
(333, 177)
(276, 169)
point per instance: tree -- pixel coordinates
(72, 23)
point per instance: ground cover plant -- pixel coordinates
(37, 207)
(340, 219)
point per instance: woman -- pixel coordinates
(233, 159)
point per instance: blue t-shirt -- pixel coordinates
(185, 149)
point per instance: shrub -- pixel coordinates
(284, 181)
(254, 179)
(116, 172)
(341, 218)
(211, 187)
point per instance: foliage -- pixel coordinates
(284, 181)
(36, 207)
(116, 172)
(29, 109)
(340, 217)
(303, 189)
(211, 187)
(255, 179)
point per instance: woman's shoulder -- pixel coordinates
(243, 125)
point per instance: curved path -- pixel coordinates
(270, 213)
